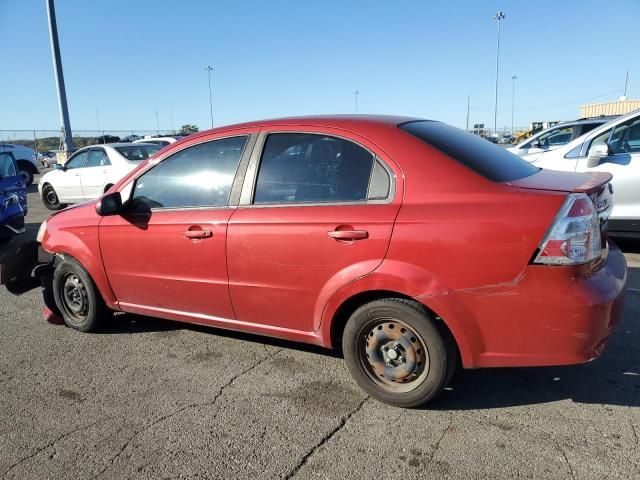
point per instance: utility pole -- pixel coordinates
(57, 66)
(157, 124)
(513, 98)
(499, 16)
(468, 108)
(209, 69)
(356, 93)
(626, 81)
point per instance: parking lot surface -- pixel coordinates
(148, 398)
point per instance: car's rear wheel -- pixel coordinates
(77, 297)
(396, 353)
(50, 198)
(45, 164)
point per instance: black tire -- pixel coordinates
(423, 358)
(26, 169)
(77, 297)
(45, 164)
(50, 198)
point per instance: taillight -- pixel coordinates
(574, 236)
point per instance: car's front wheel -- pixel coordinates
(77, 297)
(50, 198)
(396, 353)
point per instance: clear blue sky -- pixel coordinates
(276, 58)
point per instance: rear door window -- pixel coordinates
(316, 168)
(483, 157)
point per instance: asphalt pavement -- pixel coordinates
(149, 398)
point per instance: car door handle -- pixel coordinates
(198, 234)
(348, 234)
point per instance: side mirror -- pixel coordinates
(597, 153)
(535, 144)
(59, 166)
(109, 204)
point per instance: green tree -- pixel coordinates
(188, 129)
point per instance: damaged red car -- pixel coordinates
(409, 245)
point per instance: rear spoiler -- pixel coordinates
(558, 181)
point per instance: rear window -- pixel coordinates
(489, 160)
(137, 153)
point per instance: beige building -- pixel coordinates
(618, 107)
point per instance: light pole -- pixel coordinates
(499, 16)
(209, 69)
(57, 66)
(513, 98)
(356, 93)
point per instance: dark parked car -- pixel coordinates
(13, 198)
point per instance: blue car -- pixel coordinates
(13, 198)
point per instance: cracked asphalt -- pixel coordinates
(151, 399)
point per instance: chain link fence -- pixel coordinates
(43, 141)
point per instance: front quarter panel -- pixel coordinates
(74, 232)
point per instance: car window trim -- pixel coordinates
(245, 153)
(251, 176)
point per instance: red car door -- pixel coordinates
(166, 253)
(318, 214)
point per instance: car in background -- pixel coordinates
(614, 148)
(506, 139)
(25, 158)
(47, 159)
(90, 172)
(13, 198)
(556, 136)
(162, 141)
(374, 235)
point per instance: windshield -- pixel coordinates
(137, 153)
(489, 160)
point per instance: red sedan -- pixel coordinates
(407, 244)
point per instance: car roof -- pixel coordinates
(347, 122)
(117, 144)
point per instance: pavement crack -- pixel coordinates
(325, 439)
(635, 433)
(437, 444)
(166, 417)
(51, 444)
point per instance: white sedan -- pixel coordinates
(90, 172)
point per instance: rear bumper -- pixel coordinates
(551, 316)
(22, 268)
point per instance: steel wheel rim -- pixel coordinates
(393, 355)
(75, 300)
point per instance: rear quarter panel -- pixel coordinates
(456, 235)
